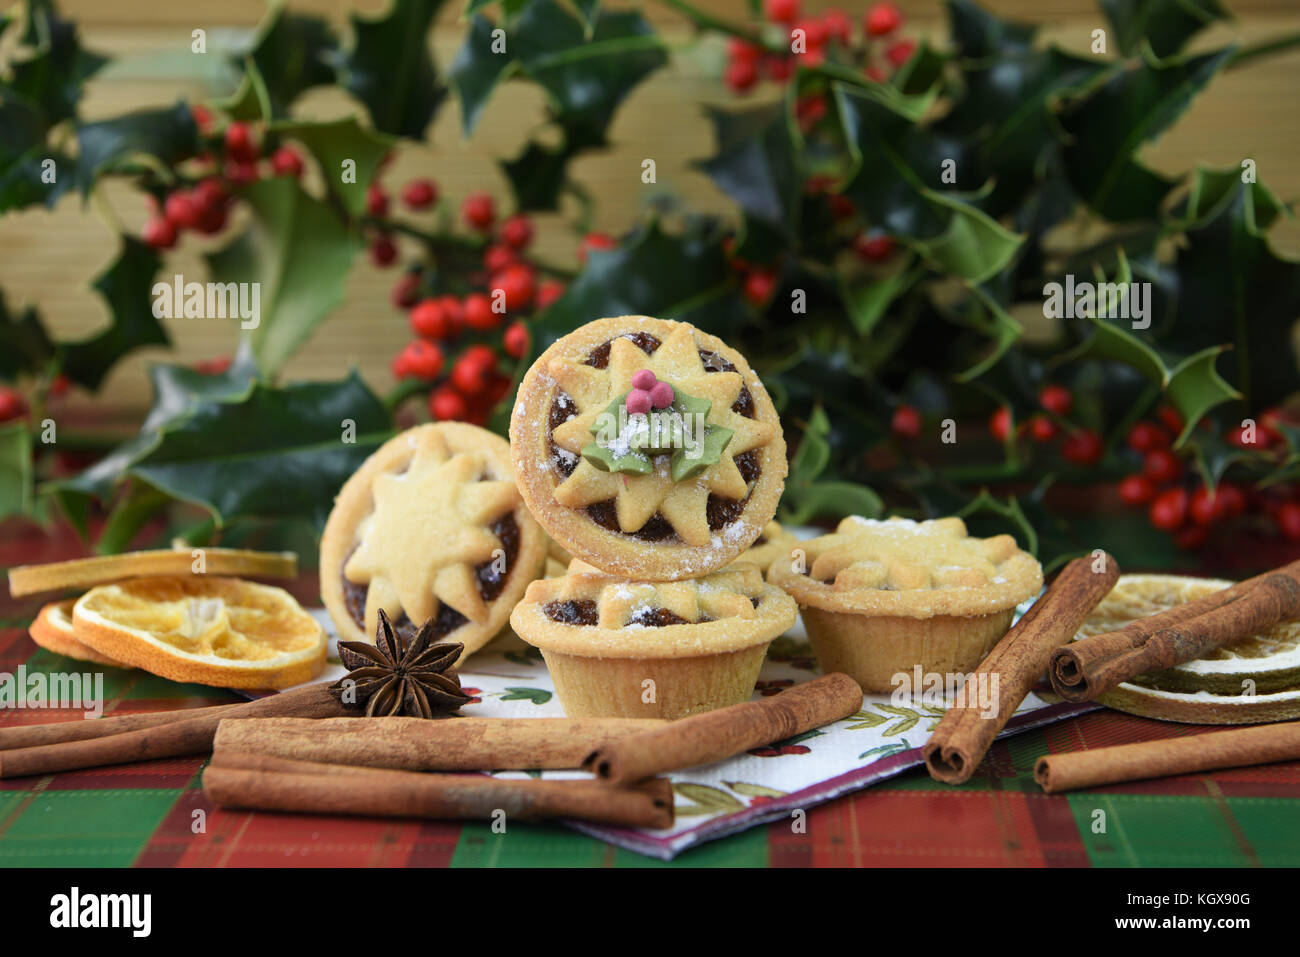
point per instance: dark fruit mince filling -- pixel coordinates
(719, 511)
(491, 583)
(582, 612)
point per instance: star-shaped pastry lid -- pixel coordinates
(636, 500)
(431, 528)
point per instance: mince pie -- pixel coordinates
(647, 448)
(881, 597)
(431, 528)
(652, 649)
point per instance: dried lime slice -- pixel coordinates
(1254, 680)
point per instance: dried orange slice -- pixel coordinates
(52, 630)
(101, 569)
(213, 631)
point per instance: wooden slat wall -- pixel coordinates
(49, 257)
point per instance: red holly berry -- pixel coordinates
(1230, 500)
(874, 247)
(876, 74)
(1135, 490)
(240, 142)
(759, 286)
(881, 19)
(1083, 447)
(781, 11)
(182, 210)
(517, 231)
(213, 219)
(376, 201)
(593, 242)
(241, 172)
(515, 339)
(841, 206)
(478, 313)
(1287, 520)
(1000, 424)
(1147, 437)
(838, 26)
(1169, 510)
(159, 233)
(1260, 438)
(740, 75)
(900, 52)
(420, 193)
(405, 291)
(427, 320)
(1042, 429)
(286, 162)
(472, 370)
(519, 285)
(424, 359)
(1171, 419)
(549, 291)
(906, 422)
(383, 251)
(1205, 507)
(1056, 399)
(454, 313)
(1192, 537)
(210, 192)
(738, 49)
(12, 405)
(1162, 466)
(778, 68)
(498, 257)
(202, 117)
(479, 211)
(401, 366)
(815, 33)
(447, 405)
(809, 110)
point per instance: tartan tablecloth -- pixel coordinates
(155, 814)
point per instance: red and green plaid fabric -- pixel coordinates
(155, 815)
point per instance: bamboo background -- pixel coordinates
(49, 257)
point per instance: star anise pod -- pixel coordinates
(400, 676)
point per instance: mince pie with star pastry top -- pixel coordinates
(699, 643)
(431, 528)
(880, 597)
(647, 448)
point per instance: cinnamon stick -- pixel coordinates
(56, 732)
(1237, 748)
(1092, 666)
(190, 733)
(414, 744)
(265, 783)
(715, 735)
(1015, 664)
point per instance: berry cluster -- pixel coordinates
(1080, 446)
(874, 50)
(1180, 503)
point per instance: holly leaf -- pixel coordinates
(1166, 24)
(537, 176)
(292, 54)
(334, 142)
(16, 496)
(25, 346)
(126, 288)
(389, 68)
(163, 137)
(22, 152)
(51, 78)
(299, 254)
(977, 34)
(1136, 104)
(273, 453)
(757, 165)
(476, 71)
(867, 299)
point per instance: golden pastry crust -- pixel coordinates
(906, 569)
(723, 612)
(775, 542)
(425, 529)
(654, 528)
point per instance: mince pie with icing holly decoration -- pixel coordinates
(647, 448)
(431, 528)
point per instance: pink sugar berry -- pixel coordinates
(662, 395)
(638, 402)
(643, 379)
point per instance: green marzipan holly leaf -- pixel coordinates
(334, 142)
(977, 34)
(1139, 101)
(300, 253)
(52, 77)
(896, 181)
(1166, 24)
(476, 71)
(275, 453)
(166, 136)
(389, 68)
(25, 346)
(15, 470)
(292, 54)
(126, 287)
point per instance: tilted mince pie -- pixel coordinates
(431, 527)
(881, 597)
(647, 448)
(652, 649)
